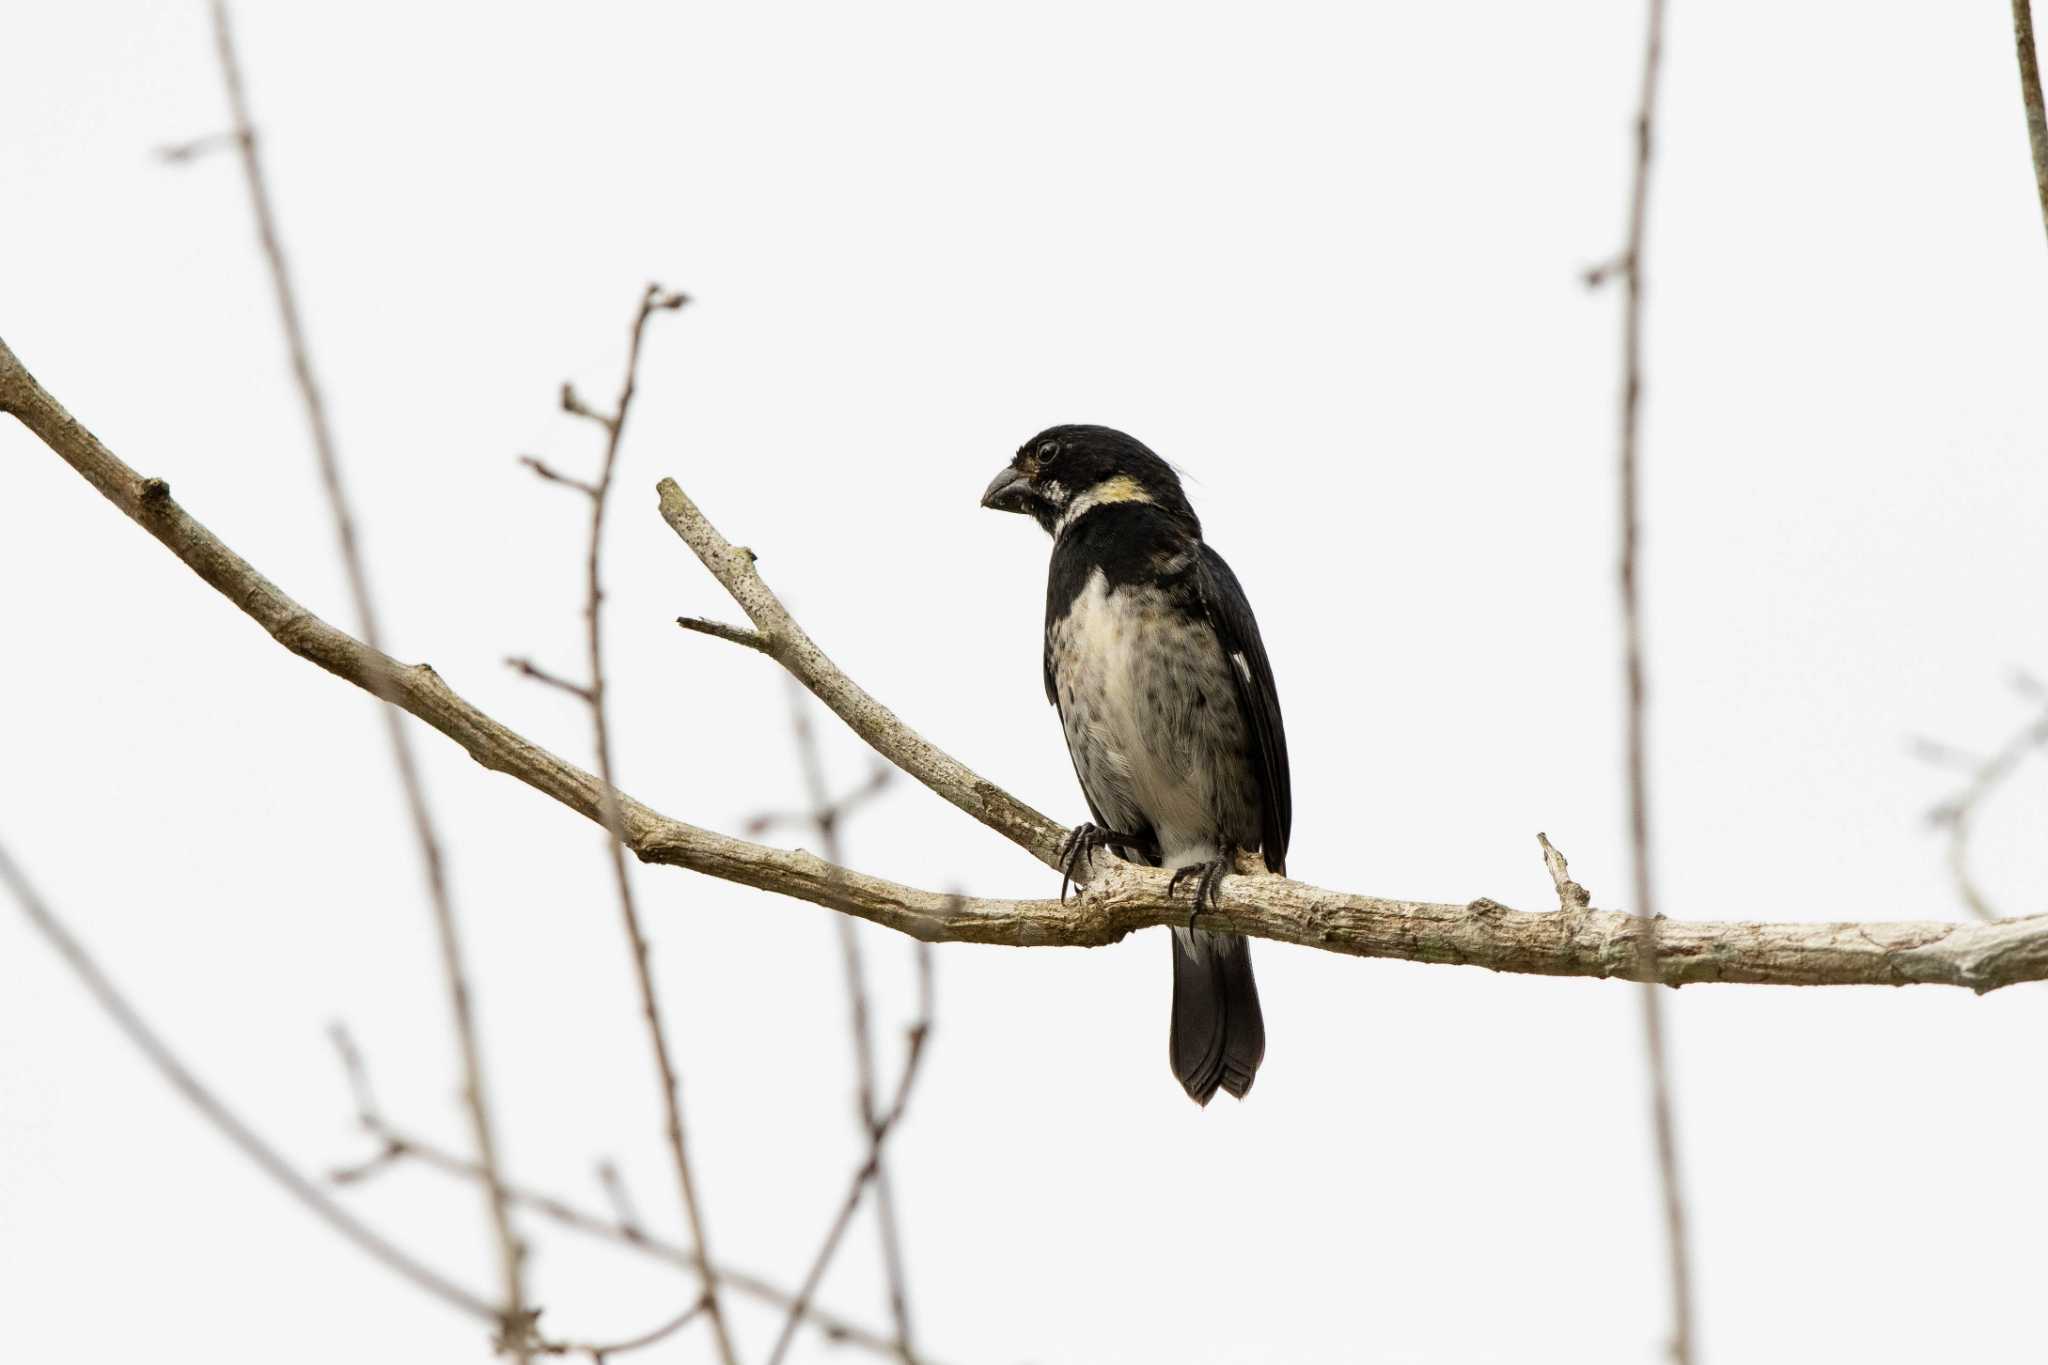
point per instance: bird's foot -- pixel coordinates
(1083, 843)
(1207, 878)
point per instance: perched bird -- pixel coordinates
(1154, 660)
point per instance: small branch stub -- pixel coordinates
(1571, 897)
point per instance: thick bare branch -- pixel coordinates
(1121, 897)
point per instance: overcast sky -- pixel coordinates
(1325, 259)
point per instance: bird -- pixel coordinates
(1166, 697)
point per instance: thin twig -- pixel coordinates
(573, 404)
(216, 1112)
(1681, 1343)
(614, 1187)
(653, 299)
(1959, 812)
(2030, 96)
(826, 817)
(599, 1352)
(352, 1068)
(869, 1169)
(784, 640)
(177, 153)
(510, 1253)
(527, 668)
(738, 635)
(836, 812)
(395, 1145)
(553, 475)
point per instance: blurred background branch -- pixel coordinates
(2030, 97)
(1957, 814)
(517, 1324)
(828, 815)
(396, 1146)
(215, 1111)
(1635, 721)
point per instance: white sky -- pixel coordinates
(1324, 258)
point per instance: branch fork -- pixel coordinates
(1980, 957)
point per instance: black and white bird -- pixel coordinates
(1155, 663)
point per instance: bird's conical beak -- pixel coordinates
(1009, 491)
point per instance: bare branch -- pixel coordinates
(834, 813)
(653, 299)
(527, 668)
(1662, 1122)
(1959, 812)
(1601, 272)
(2030, 97)
(739, 635)
(216, 1112)
(576, 407)
(825, 819)
(600, 1351)
(395, 1145)
(878, 1134)
(615, 1190)
(178, 153)
(1121, 897)
(785, 641)
(1571, 897)
(1942, 755)
(352, 1068)
(552, 475)
(476, 1100)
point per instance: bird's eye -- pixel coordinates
(1048, 451)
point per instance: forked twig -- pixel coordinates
(652, 300)
(215, 1110)
(1122, 898)
(826, 818)
(396, 1146)
(1958, 814)
(878, 1134)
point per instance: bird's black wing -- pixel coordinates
(1238, 631)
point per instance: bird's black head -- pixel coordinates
(1064, 472)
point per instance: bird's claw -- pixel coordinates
(1083, 841)
(1208, 878)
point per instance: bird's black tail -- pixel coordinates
(1218, 1035)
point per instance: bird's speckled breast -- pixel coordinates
(1152, 719)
